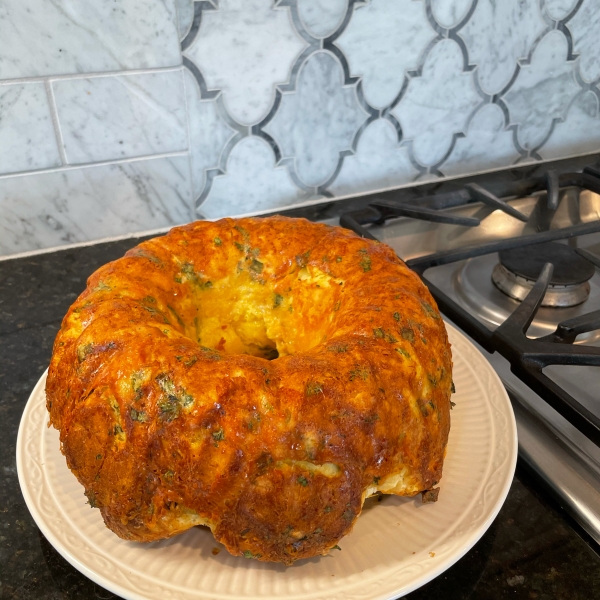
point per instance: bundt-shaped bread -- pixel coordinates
(259, 376)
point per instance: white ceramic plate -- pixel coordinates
(397, 544)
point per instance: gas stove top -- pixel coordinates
(520, 275)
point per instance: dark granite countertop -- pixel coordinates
(530, 551)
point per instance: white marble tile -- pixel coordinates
(449, 13)
(90, 203)
(244, 49)
(383, 40)
(559, 9)
(379, 163)
(497, 35)
(542, 91)
(251, 183)
(322, 17)
(487, 145)
(122, 116)
(185, 16)
(584, 27)
(208, 133)
(437, 104)
(52, 37)
(27, 138)
(580, 131)
(318, 120)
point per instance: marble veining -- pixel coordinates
(244, 48)
(487, 144)
(27, 137)
(185, 16)
(209, 134)
(277, 102)
(379, 162)
(322, 17)
(542, 91)
(579, 132)
(559, 9)
(252, 183)
(385, 39)
(437, 104)
(52, 37)
(77, 205)
(584, 27)
(318, 121)
(497, 35)
(449, 13)
(122, 116)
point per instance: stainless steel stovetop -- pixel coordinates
(565, 458)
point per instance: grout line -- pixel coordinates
(116, 161)
(44, 78)
(56, 122)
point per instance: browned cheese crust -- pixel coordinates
(172, 415)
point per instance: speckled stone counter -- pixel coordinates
(530, 551)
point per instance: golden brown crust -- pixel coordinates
(170, 414)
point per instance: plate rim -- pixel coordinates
(428, 575)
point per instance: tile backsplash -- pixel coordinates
(120, 116)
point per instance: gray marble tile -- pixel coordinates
(90, 203)
(497, 35)
(449, 13)
(437, 104)
(244, 49)
(579, 133)
(383, 40)
(542, 91)
(51, 37)
(379, 162)
(121, 116)
(185, 16)
(559, 9)
(318, 120)
(209, 133)
(584, 27)
(487, 145)
(27, 138)
(252, 183)
(322, 17)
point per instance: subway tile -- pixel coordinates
(50, 209)
(121, 116)
(39, 37)
(27, 137)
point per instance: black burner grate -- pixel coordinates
(527, 357)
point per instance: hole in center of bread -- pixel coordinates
(241, 313)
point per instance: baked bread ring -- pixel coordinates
(259, 376)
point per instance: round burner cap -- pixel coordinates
(528, 261)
